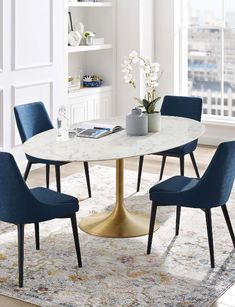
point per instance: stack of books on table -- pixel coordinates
(74, 88)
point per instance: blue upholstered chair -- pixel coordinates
(189, 107)
(31, 119)
(212, 190)
(20, 205)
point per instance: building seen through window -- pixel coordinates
(210, 29)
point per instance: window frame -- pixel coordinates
(183, 29)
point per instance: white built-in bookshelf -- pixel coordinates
(89, 48)
(93, 103)
(90, 4)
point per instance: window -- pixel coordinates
(208, 38)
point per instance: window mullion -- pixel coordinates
(222, 72)
(222, 60)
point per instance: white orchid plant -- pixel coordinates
(151, 74)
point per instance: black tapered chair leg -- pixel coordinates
(27, 170)
(182, 166)
(47, 175)
(210, 236)
(162, 167)
(151, 227)
(141, 161)
(228, 222)
(20, 229)
(178, 211)
(37, 237)
(57, 173)
(86, 168)
(194, 164)
(76, 239)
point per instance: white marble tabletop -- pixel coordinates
(175, 131)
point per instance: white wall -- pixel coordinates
(164, 44)
(32, 60)
(127, 40)
(134, 32)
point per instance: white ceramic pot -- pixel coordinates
(154, 122)
(89, 40)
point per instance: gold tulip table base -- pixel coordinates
(107, 225)
(119, 223)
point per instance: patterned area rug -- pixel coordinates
(117, 272)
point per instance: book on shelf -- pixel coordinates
(74, 88)
(95, 130)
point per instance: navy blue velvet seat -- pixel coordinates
(212, 190)
(20, 205)
(31, 119)
(189, 107)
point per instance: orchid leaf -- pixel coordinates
(145, 104)
(139, 100)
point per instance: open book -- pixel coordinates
(95, 130)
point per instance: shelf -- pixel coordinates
(90, 4)
(88, 48)
(89, 91)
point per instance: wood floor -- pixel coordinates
(152, 165)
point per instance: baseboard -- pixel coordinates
(210, 141)
(217, 133)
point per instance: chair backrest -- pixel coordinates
(16, 200)
(189, 107)
(31, 119)
(216, 184)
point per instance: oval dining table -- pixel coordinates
(120, 223)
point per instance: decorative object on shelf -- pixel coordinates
(77, 77)
(98, 41)
(89, 36)
(80, 76)
(151, 77)
(136, 123)
(92, 81)
(75, 82)
(70, 22)
(70, 79)
(75, 35)
(79, 27)
(74, 38)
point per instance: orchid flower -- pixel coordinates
(151, 75)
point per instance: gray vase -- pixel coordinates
(136, 123)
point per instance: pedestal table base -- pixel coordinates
(120, 223)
